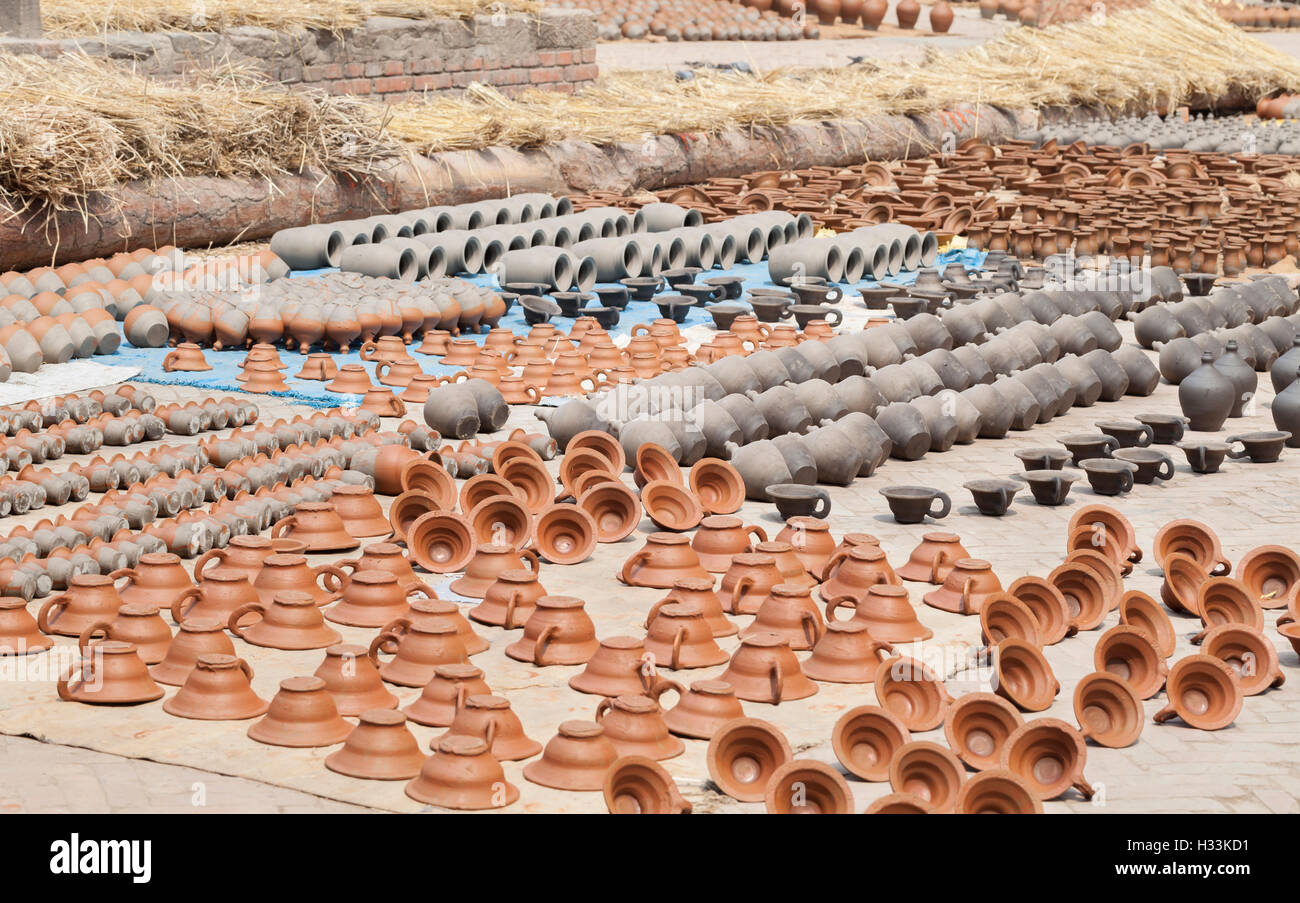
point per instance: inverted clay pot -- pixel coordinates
(301, 714)
(462, 774)
(764, 669)
(110, 673)
(380, 748)
(217, 689)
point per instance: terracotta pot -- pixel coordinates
(351, 676)
(997, 792)
(372, 599)
(635, 725)
(139, 625)
(866, 739)
(1104, 529)
(764, 669)
(1107, 571)
(19, 634)
(244, 553)
(789, 611)
(671, 506)
(1139, 610)
(614, 509)
(1023, 677)
(319, 525)
(437, 612)
(558, 632)
(492, 719)
(636, 785)
(1224, 600)
(901, 804)
(510, 600)
(744, 755)
(1194, 539)
(698, 593)
(487, 564)
(855, 570)
(1131, 655)
(1203, 691)
(977, 728)
(662, 561)
(929, 771)
(603, 444)
(90, 599)
(501, 520)
(565, 534)
(1248, 653)
(846, 653)
(1182, 584)
(441, 542)
(385, 557)
(679, 637)
(1108, 710)
(110, 674)
(431, 479)
(808, 787)
(702, 710)
(931, 561)
(462, 774)
(576, 758)
(909, 689)
(301, 714)
(444, 695)
(885, 611)
(1049, 756)
(291, 621)
(1272, 575)
(196, 636)
(1003, 616)
(717, 486)
(1084, 594)
(290, 573)
(811, 540)
(380, 748)
(420, 648)
(970, 582)
(359, 510)
(618, 667)
(720, 538)
(655, 463)
(217, 689)
(221, 591)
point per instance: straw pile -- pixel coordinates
(69, 18)
(1164, 53)
(79, 125)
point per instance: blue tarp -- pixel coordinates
(225, 364)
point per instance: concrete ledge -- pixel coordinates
(202, 211)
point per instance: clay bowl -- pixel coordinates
(1049, 487)
(537, 309)
(1109, 476)
(1194, 539)
(798, 500)
(1203, 691)
(808, 787)
(441, 542)
(1048, 755)
(1003, 616)
(910, 690)
(901, 804)
(637, 785)
(1085, 446)
(875, 296)
(1151, 464)
(1129, 654)
(744, 755)
(1262, 447)
(1048, 606)
(1042, 458)
(1248, 653)
(614, 509)
(930, 771)
(717, 486)
(674, 307)
(1108, 710)
(1271, 573)
(1167, 429)
(566, 534)
(865, 740)
(1137, 609)
(912, 504)
(1128, 433)
(992, 496)
(997, 792)
(1205, 456)
(977, 727)
(642, 288)
(1024, 676)
(671, 506)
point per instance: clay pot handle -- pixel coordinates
(377, 644)
(602, 709)
(88, 635)
(839, 317)
(169, 360)
(218, 554)
(1126, 480)
(368, 347)
(530, 558)
(381, 368)
(232, 623)
(836, 559)
(420, 587)
(128, 573)
(833, 604)
(192, 594)
(654, 609)
(937, 560)
(737, 591)
(878, 646)
(246, 668)
(756, 530)
(1111, 443)
(341, 581)
(1199, 638)
(833, 295)
(532, 393)
(965, 596)
(1165, 471)
(48, 614)
(1150, 435)
(663, 686)
(823, 506)
(946, 506)
(1232, 452)
(778, 683)
(1222, 568)
(543, 640)
(278, 528)
(812, 628)
(1084, 787)
(676, 660)
(512, 601)
(1165, 714)
(764, 330)
(625, 574)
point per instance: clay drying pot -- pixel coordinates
(797, 500)
(420, 646)
(912, 504)
(702, 710)
(1203, 691)
(1108, 710)
(291, 621)
(613, 508)
(445, 695)
(1131, 655)
(576, 758)
(1137, 609)
(901, 804)
(789, 612)
(1048, 755)
(1205, 457)
(635, 726)
(140, 625)
(1049, 607)
(489, 562)
(846, 653)
(1023, 676)
(970, 582)
(1049, 487)
(1248, 653)
(441, 542)
(90, 599)
(510, 600)
(1194, 539)
(679, 637)
(854, 570)
(351, 676)
(318, 525)
(558, 632)
(744, 755)
(373, 598)
(462, 774)
(929, 771)
(565, 534)
(636, 785)
(698, 593)
(491, 718)
(1271, 574)
(885, 611)
(1084, 594)
(977, 727)
(764, 669)
(618, 667)
(501, 520)
(1224, 600)
(1102, 528)
(811, 540)
(380, 748)
(290, 573)
(301, 714)
(110, 673)
(1003, 616)
(196, 636)
(717, 486)
(670, 505)
(720, 538)
(808, 787)
(19, 633)
(910, 690)
(997, 792)
(217, 689)
(359, 510)
(866, 739)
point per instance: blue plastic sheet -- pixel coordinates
(225, 364)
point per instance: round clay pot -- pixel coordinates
(113, 675)
(1084, 594)
(662, 561)
(901, 804)
(291, 621)
(565, 534)
(635, 726)
(717, 486)
(1139, 610)
(1225, 600)
(380, 748)
(558, 632)
(441, 542)
(217, 689)
(1250, 655)
(576, 758)
(617, 668)
(702, 710)
(491, 718)
(886, 612)
(679, 637)
(1108, 710)
(301, 714)
(510, 600)
(933, 558)
(462, 774)
(866, 739)
(1003, 616)
(1271, 574)
(911, 690)
(997, 791)
(636, 785)
(970, 582)
(613, 508)
(1204, 691)
(929, 771)
(19, 634)
(808, 787)
(351, 676)
(1023, 677)
(764, 669)
(1049, 756)
(1130, 654)
(671, 506)
(744, 755)
(977, 727)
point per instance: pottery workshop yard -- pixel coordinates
(911, 435)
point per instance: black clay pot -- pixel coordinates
(674, 307)
(1152, 464)
(732, 286)
(1042, 458)
(615, 296)
(571, 303)
(607, 317)
(1168, 429)
(537, 309)
(1263, 447)
(912, 504)
(1109, 476)
(797, 500)
(1128, 433)
(1050, 487)
(1083, 446)
(993, 497)
(642, 288)
(1205, 457)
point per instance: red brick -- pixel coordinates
(546, 76)
(585, 72)
(392, 84)
(475, 65)
(354, 70)
(565, 58)
(394, 67)
(547, 58)
(589, 54)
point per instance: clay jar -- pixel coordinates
(910, 690)
(744, 755)
(196, 636)
(636, 785)
(618, 667)
(576, 758)
(139, 625)
(19, 634)
(291, 573)
(789, 612)
(111, 674)
(373, 598)
(679, 637)
(558, 632)
(217, 689)
(380, 748)
(699, 594)
(445, 694)
(488, 563)
(491, 718)
(510, 599)
(748, 582)
(967, 586)
(720, 538)
(302, 714)
(421, 648)
(462, 774)
(929, 771)
(806, 786)
(1108, 710)
(90, 599)
(1048, 755)
(635, 725)
(351, 676)
(846, 653)
(977, 728)
(702, 710)
(885, 611)
(1023, 676)
(811, 540)
(318, 525)
(157, 578)
(764, 669)
(933, 558)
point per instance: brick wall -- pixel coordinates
(388, 58)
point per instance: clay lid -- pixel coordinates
(721, 521)
(373, 577)
(302, 684)
(457, 671)
(668, 539)
(461, 745)
(518, 575)
(561, 602)
(221, 574)
(580, 729)
(382, 548)
(765, 639)
(293, 597)
(351, 649)
(486, 701)
(623, 642)
(941, 537)
(9, 603)
(636, 704)
(201, 625)
(714, 687)
(383, 717)
(138, 609)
